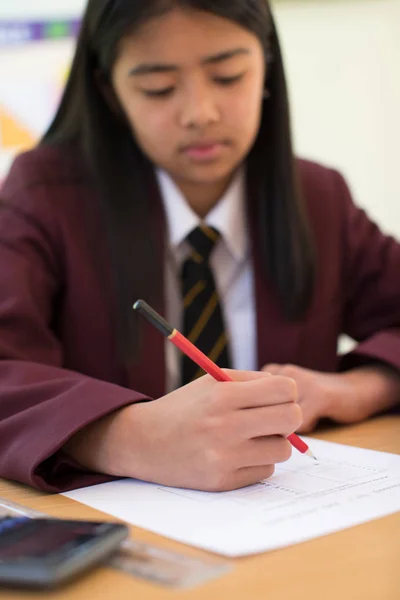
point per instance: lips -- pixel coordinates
(207, 143)
(205, 150)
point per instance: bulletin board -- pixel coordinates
(35, 57)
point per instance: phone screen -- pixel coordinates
(22, 537)
(49, 550)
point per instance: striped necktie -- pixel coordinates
(203, 322)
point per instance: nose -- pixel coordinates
(199, 107)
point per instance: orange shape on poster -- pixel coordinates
(13, 134)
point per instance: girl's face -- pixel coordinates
(191, 86)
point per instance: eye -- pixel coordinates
(162, 93)
(229, 80)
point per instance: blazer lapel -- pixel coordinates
(278, 340)
(148, 374)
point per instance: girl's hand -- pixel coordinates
(206, 435)
(344, 397)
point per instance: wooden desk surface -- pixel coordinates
(358, 563)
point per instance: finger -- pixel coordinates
(261, 391)
(242, 376)
(267, 450)
(282, 419)
(308, 426)
(273, 369)
(244, 477)
(207, 381)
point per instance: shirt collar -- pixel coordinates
(228, 216)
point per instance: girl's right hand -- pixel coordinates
(207, 435)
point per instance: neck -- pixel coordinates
(203, 197)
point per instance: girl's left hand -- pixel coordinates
(320, 395)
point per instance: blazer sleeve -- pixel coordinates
(371, 287)
(41, 404)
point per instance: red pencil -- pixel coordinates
(200, 358)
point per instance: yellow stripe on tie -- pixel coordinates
(209, 232)
(194, 292)
(204, 318)
(199, 373)
(218, 348)
(196, 257)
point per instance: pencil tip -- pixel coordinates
(309, 453)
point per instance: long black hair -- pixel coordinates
(121, 172)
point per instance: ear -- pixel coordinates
(108, 93)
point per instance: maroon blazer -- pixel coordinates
(58, 360)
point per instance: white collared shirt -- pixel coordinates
(230, 263)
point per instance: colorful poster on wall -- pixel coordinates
(34, 63)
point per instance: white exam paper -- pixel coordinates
(304, 499)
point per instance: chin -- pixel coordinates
(209, 173)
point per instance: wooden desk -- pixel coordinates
(360, 563)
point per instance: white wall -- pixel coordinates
(26, 9)
(343, 67)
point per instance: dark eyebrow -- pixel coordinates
(225, 55)
(146, 69)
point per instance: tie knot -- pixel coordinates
(202, 240)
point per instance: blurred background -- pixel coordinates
(343, 67)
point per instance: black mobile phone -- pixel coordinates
(45, 553)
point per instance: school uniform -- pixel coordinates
(59, 365)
